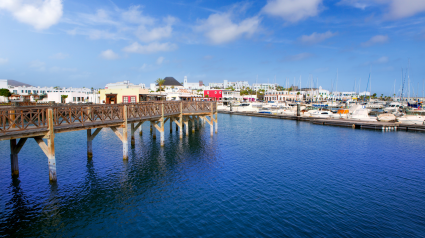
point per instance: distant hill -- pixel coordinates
(17, 83)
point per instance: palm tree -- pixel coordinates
(160, 82)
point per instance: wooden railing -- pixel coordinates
(35, 117)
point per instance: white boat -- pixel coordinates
(321, 114)
(415, 116)
(386, 117)
(247, 107)
(265, 109)
(411, 119)
(286, 110)
(392, 107)
(361, 113)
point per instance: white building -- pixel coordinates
(124, 84)
(216, 85)
(238, 85)
(197, 86)
(53, 93)
(264, 86)
(282, 96)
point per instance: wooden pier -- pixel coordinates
(355, 124)
(41, 123)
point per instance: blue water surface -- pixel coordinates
(258, 177)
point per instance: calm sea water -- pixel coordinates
(257, 177)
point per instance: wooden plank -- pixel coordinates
(114, 129)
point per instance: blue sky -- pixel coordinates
(92, 43)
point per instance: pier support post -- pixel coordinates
(197, 122)
(216, 123)
(124, 134)
(193, 124)
(212, 120)
(216, 118)
(90, 138)
(14, 158)
(133, 141)
(49, 149)
(141, 130)
(181, 121)
(14, 151)
(89, 145)
(171, 125)
(162, 139)
(186, 124)
(51, 145)
(153, 131)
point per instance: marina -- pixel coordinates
(355, 124)
(110, 113)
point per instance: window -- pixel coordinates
(125, 99)
(75, 99)
(133, 99)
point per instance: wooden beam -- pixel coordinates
(177, 122)
(158, 127)
(19, 146)
(137, 126)
(206, 119)
(95, 133)
(115, 130)
(42, 145)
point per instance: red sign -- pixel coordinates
(213, 94)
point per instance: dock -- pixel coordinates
(355, 124)
(41, 123)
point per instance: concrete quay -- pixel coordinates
(355, 124)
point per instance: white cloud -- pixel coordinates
(59, 56)
(293, 10)
(396, 9)
(404, 8)
(378, 39)
(109, 55)
(155, 34)
(133, 15)
(219, 28)
(38, 65)
(160, 60)
(361, 4)
(3, 61)
(317, 37)
(40, 14)
(102, 17)
(382, 60)
(150, 48)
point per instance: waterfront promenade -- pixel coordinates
(17, 124)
